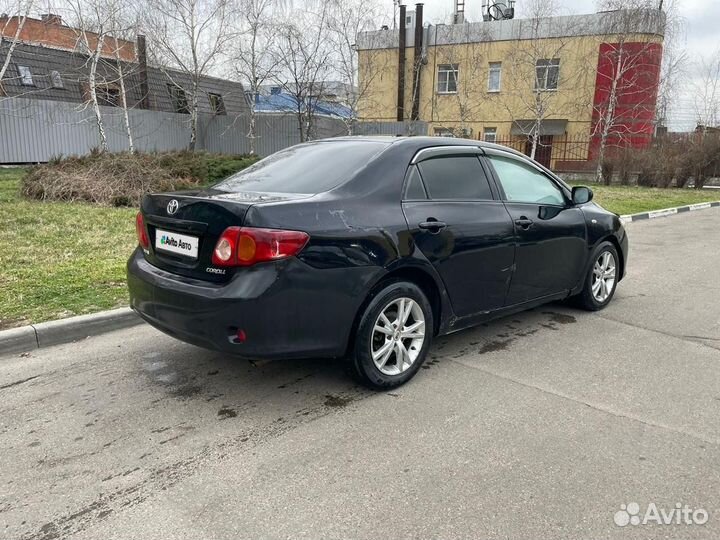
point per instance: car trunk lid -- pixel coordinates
(183, 228)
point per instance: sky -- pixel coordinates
(699, 35)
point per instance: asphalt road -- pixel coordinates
(536, 426)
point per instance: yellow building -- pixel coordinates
(522, 81)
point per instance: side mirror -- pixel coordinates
(581, 194)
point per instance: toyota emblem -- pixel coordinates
(172, 207)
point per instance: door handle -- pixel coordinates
(432, 225)
(524, 222)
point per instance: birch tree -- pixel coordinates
(628, 76)
(468, 98)
(22, 8)
(92, 22)
(346, 19)
(302, 54)
(706, 90)
(190, 36)
(535, 73)
(120, 26)
(252, 58)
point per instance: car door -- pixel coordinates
(459, 224)
(550, 231)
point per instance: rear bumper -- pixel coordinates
(286, 309)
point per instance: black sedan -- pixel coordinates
(366, 248)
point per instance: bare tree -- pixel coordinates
(190, 36)
(92, 27)
(252, 58)
(121, 24)
(533, 74)
(22, 8)
(706, 90)
(302, 54)
(346, 19)
(628, 75)
(469, 65)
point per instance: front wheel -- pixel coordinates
(393, 336)
(601, 280)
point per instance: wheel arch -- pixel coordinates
(621, 258)
(418, 275)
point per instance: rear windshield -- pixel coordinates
(304, 169)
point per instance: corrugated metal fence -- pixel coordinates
(34, 131)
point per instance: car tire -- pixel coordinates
(385, 353)
(604, 263)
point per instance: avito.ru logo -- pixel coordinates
(629, 514)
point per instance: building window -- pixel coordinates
(26, 77)
(179, 99)
(490, 134)
(109, 96)
(494, 73)
(447, 78)
(217, 105)
(56, 79)
(547, 72)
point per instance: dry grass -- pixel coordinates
(122, 179)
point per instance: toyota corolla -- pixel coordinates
(367, 248)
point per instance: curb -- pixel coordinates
(36, 336)
(668, 211)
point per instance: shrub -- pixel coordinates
(122, 179)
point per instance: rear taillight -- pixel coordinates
(243, 246)
(142, 235)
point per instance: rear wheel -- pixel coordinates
(601, 279)
(393, 336)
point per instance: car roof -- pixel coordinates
(424, 141)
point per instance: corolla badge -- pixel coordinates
(172, 207)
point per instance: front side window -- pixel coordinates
(494, 73)
(447, 78)
(490, 134)
(525, 184)
(455, 177)
(547, 73)
(26, 77)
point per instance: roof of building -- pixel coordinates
(73, 68)
(50, 31)
(642, 21)
(281, 102)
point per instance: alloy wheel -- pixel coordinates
(398, 336)
(603, 277)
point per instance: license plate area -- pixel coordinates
(183, 245)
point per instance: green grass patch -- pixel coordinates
(632, 200)
(59, 259)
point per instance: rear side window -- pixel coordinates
(414, 188)
(455, 177)
(304, 169)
